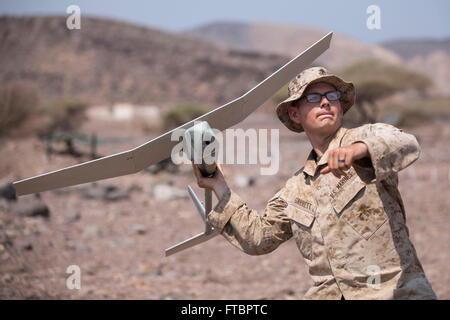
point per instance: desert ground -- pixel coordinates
(116, 230)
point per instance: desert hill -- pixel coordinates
(109, 61)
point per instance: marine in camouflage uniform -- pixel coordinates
(350, 228)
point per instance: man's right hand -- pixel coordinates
(216, 183)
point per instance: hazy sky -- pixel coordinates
(399, 18)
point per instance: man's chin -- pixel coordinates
(326, 118)
(326, 123)
(327, 126)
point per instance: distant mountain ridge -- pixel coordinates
(284, 39)
(431, 57)
(110, 61)
(408, 49)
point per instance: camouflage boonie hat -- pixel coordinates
(298, 86)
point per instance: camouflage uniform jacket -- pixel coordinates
(350, 231)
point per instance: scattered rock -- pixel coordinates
(170, 296)
(115, 195)
(98, 213)
(72, 216)
(24, 244)
(242, 181)
(92, 191)
(166, 192)
(91, 231)
(139, 228)
(5, 256)
(134, 187)
(11, 233)
(123, 213)
(107, 191)
(78, 246)
(7, 278)
(5, 241)
(82, 247)
(123, 241)
(164, 165)
(155, 273)
(29, 206)
(3, 204)
(7, 191)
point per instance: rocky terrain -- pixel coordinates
(408, 49)
(116, 230)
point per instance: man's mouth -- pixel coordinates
(325, 114)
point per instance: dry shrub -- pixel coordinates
(146, 123)
(63, 115)
(182, 114)
(375, 80)
(18, 101)
(413, 112)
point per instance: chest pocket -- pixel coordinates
(301, 224)
(345, 191)
(355, 203)
(300, 215)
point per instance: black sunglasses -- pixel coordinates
(317, 97)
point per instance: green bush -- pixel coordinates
(392, 77)
(412, 112)
(375, 80)
(18, 101)
(182, 114)
(411, 118)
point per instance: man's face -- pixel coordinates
(323, 117)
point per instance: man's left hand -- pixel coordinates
(341, 159)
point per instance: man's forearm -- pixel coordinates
(390, 149)
(246, 229)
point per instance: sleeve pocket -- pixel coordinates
(299, 215)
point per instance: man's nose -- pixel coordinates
(324, 102)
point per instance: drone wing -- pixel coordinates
(160, 148)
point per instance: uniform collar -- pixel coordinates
(311, 165)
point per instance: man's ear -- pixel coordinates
(294, 114)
